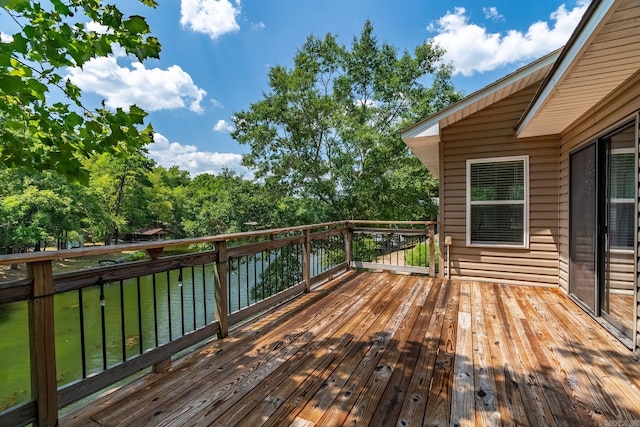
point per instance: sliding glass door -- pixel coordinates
(602, 225)
(618, 281)
(582, 225)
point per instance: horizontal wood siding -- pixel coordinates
(490, 133)
(621, 105)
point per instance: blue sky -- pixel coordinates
(216, 54)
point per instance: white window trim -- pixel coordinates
(525, 159)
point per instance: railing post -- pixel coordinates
(348, 237)
(221, 286)
(432, 251)
(44, 389)
(306, 260)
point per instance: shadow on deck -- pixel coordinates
(382, 349)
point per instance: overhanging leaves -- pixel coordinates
(40, 135)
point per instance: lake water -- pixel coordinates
(192, 305)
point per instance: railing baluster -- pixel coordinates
(169, 312)
(269, 283)
(239, 284)
(83, 352)
(155, 310)
(228, 274)
(181, 286)
(140, 337)
(103, 323)
(306, 260)
(262, 272)
(246, 268)
(255, 275)
(122, 324)
(283, 266)
(204, 293)
(193, 296)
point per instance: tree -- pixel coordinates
(329, 128)
(37, 207)
(228, 203)
(37, 130)
(168, 199)
(125, 189)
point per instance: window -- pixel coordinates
(498, 201)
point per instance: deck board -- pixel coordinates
(384, 349)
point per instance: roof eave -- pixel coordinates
(588, 24)
(428, 123)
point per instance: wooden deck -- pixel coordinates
(381, 349)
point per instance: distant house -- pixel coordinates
(147, 235)
(539, 171)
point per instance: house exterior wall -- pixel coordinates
(486, 134)
(619, 107)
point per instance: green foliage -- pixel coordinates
(167, 199)
(36, 207)
(38, 132)
(137, 256)
(130, 194)
(363, 248)
(329, 128)
(284, 271)
(228, 203)
(125, 189)
(419, 255)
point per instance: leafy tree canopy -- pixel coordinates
(43, 122)
(329, 128)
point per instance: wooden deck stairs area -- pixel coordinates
(384, 350)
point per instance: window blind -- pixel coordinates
(497, 190)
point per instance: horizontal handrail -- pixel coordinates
(403, 231)
(374, 222)
(150, 246)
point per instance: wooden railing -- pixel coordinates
(131, 316)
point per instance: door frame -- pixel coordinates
(601, 199)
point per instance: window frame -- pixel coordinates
(524, 202)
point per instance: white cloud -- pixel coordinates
(216, 103)
(492, 13)
(212, 17)
(5, 38)
(472, 49)
(369, 103)
(151, 89)
(98, 28)
(223, 126)
(258, 26)
(189, 158)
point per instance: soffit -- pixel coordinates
(603, 56)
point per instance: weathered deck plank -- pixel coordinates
(486, 395)
(382, 349)
(463, 411)
(321, 390)
(510, 400)
(408, 365)
(264, 402)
